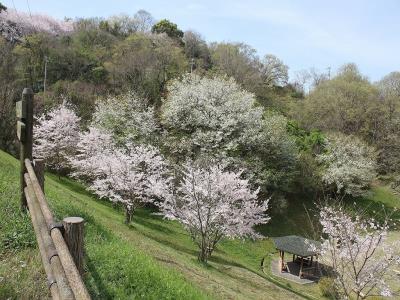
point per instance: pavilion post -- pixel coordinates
(301, 267)
(281, 260)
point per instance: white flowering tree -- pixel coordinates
(349, 165)
(92, 143)
(127, 117)
(209, 115)
(359, 253)
(126, 175)
(215, 118)
(213, 204)
(55, 136)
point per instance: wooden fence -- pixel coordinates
(60, 244)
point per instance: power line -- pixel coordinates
(29, 9)
(16, 11)
(30, 14)
(14, 5)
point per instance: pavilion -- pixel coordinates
(302, 249)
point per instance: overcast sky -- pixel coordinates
(303, 34)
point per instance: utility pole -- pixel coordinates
(329, 73)
(45, 77)
(192, 63)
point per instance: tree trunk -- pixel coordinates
(202, 257)
(204, 253)
(128, 215)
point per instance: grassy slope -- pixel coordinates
(115, 268)
(152, 257)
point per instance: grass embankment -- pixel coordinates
(115, 269)
(151, 258)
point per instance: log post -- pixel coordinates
(24, 110)
(301, 267)
(38, 166)
(73, 235)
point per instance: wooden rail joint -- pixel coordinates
(59, 226)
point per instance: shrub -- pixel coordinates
(326, 286)
(349, 165)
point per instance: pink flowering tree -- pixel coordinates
(359, 253)
(15, 24)
(213, 204)
(55, 136)
(127, 175)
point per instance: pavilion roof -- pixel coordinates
(297, 245)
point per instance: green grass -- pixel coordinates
(115, 269)
(152, 258)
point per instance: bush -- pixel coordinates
(396, 184)
(349, 165)
(327, 287)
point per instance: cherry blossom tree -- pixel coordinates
(349, 164)
(55, 136)
(15, 24)
(213, 204)
(359, 253)
(92, 143)
(126, 175)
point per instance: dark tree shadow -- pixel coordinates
(170, 244)
(150, 225)
(99, 285)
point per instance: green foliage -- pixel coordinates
(306, 140)
(197, 51)
(145, 62)
(272, 158)
(31, 53)
(347, 103)
(82, 95)
(309, 143)
(2, 7)
(239, 61)
(396, 183)
(326, 286)
(166, 26)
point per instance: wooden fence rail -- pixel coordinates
(62, 254)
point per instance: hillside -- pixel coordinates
(151, 257)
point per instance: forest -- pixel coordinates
(147, 116)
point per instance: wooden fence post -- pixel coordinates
(38, 166)
(24, 110)
(73, 235)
